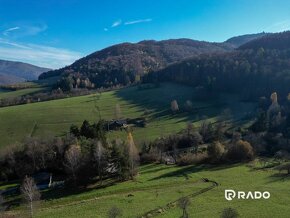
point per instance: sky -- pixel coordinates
(55, 33)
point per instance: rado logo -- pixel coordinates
(231, 194)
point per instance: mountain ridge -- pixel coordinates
(280, 41)
(15, 71)
(131, 59)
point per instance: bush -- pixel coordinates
(114, 212)
(229, 213)
(240, 151)
(215, 151)
(284, 167)
(151, 157)
(189, 158)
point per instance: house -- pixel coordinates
(116, 124)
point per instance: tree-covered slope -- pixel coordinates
(119, 64)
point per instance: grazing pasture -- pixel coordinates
(158, 185)
(56, 116)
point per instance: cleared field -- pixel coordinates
(158, 185)
(27, 88)
(18, 93)
(55, 117)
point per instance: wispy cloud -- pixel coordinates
(35, 29)
(117, 23)
(6, 32)
(22, 29)
(279, 26)
(138, 21)
(40, 55)
(9, 43)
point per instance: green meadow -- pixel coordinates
(21, 92)
(56, 116)
(157, 185)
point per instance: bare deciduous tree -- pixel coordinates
(216, 150)
(189, 128)
(73, 160)
(30, 193)
(2, 208)
(31, 151)
(133, 155)
(188, 105)
(183, 203)
(99, 156)
(174, 106)
(118, 112)
(206, 130)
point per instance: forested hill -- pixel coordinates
(278, 41)
(237, 41)
(119, 63)
(250, 73)
(125, 63)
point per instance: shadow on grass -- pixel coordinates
(53, 194)
(158, 99)
(16, 200)
(147, 166)
(185, 171)
(155, 169)
(278, 177)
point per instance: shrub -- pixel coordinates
(284, 167)
(240, 151)
(189, 158)
(229, 213)
(114, 212)
(150, 157)
(215, 151)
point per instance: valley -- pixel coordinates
(141, 109)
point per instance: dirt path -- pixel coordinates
(121, 192)
(159, 210)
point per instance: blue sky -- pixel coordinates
(54, 33)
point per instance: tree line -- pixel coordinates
(76, 159)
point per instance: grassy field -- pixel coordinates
(157, 185)
(27, 88)
(21, 92)
(55, 117)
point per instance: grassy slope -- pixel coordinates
(168, 181)
(28, 88)
(171, 183)
(242, 178)
(18, 93)
(55, 117)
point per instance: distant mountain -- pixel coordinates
(6, 79)
(280, 41)
(14, 72)
(237, 41)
